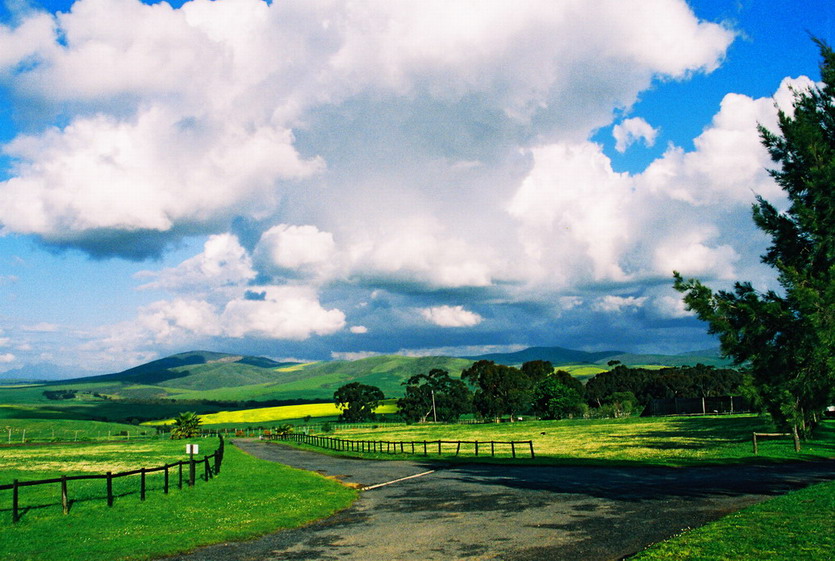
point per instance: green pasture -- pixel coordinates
(248, 498)
(798, 525)
(669, 441)
(18, 431)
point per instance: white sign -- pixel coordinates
(192, 448)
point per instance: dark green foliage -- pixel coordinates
(788, 338)
(435, 396)
(186, 425)
(357, 401)
(553, 399)
(556, 395)
(623, 403)
(501, 390)
(646, 385)
(537, 370)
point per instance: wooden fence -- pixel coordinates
(757, 435)
(210, 465)
(414, 447)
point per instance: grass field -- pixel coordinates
(673, 441)
(799, 525)
(248, 498)
(16, 431)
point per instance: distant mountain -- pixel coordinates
(204, 375)
(559, 356)
(182, 365)
(43, 371)
(555, 355)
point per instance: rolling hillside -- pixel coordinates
(208, 381)
(202, 375)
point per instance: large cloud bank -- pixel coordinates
(366, 170)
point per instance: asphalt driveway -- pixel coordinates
(425, 511)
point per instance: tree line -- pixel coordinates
(495, 391)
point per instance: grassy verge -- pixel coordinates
(250, 497)
(798, 525)
(668, 441)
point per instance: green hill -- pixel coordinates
(321, 379)
(202, 375)
(555, 355)
(205, 381)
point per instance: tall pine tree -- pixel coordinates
(788, 337)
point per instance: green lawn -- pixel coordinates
(673, 441)
(799, 525)
(250, 497)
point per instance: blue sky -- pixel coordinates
(319, 180)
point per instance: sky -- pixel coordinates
(314, 180)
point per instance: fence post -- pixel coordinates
(165, 484)
(109, 488)
(424, 449)
(476, 448)
(15, 504)
(439, 447)
(192, 468)
(531, 443)
(180, 484)
(206, 470)
(458, 448)
(492, 449)
(513, 448)
(65, 503)
(755, 443)
(142, 484)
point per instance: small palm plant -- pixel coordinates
(186, 425)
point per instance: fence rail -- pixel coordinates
(407, 446)
(210, 464)
(758, 435)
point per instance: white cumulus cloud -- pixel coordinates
(617, 304)
(285, 312)
(222, 263)
(632, 130)
(451, 316)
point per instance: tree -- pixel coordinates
(435, 396)
(500, 390)
(788, 337)
(357, 401)
(186, 425)
(553, 399)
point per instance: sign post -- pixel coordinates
(191, 450)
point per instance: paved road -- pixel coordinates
(478, 511)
